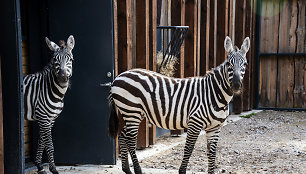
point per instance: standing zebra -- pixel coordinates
(194, 103)
(44, 97)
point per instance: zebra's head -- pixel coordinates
(236, 63)
(62, 59)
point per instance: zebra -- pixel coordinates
(44, 97)
(194, 103)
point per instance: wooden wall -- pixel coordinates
(283, 77)
(27, 124)
(209, 23)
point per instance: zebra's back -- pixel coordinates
(165, 101)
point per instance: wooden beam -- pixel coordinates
(122, 34)
(152, 33)
(212, 34)
(239, 36)
(190, 40)
(222, 7)
(204, 39)
(142, 57)
(152, 53)
(182, 55)
(246, 79)
(176, 21)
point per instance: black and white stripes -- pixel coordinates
(194, 103)
(44, 97)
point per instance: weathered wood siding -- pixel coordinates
(282, 78)
(27, 124)
(209, 23)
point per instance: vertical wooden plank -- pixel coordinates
(198, 37)
(141, 34)
(190, 40)
(182, 54)
(1, 127)
(141, 62)
(131, 44)
(221, 30)
(232, 13)
(212, 34)
(285, 80)
(269, 39)
(152, 33)
(115, 10)
(204, 22)
(122, 34)
(239, 36)
(246, 79)
(176, 21)
(152, 53)
(300, 62)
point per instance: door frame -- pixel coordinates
(12, 83)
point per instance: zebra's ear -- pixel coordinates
(245, 45)
(70, 42)
(228, 45)
(52, 45)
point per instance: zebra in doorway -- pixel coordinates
(44, 97)
(194, 103)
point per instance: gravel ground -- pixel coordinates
(268, 142)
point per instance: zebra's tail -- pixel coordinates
(113, 122)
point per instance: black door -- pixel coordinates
(80, 132)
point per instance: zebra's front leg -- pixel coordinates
(40, 150)
(45, 131)
(131, 140)
(212, 140)
(193, 132)
(124, 152)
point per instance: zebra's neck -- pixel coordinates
(219, 81)
(57, 89)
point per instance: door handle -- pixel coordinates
(106, 84)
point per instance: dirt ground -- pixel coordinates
(268, 142)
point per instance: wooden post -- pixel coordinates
(182, 54)
(204, 39)
(176, 21)
(246, 79)
(142, 57)
(222, 17)
(190, 40)
(212, 34)
(152, 54)
(239, 36)
(122, 34)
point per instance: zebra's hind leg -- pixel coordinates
(193, 132)
(131, 139)
(45, 132)
(212, 140)
(124, 152)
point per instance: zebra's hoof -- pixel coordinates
(127, 171)
(182, 171)
(138, 171)
(42, 172)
